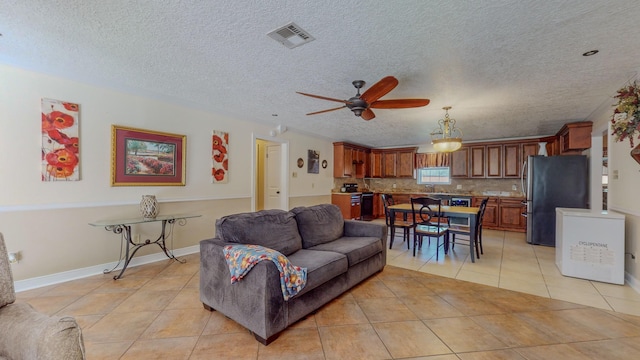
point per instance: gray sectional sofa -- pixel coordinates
(337, 254)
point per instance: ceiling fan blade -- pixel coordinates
(399, 103)
(367, 114)
(323, 97)
(379, 89)
(324, 111)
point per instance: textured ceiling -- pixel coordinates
(508, 68)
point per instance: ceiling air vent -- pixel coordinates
(291, 35)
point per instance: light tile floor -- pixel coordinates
(510, 263)
(154, 312)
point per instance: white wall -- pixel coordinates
(623, 196)
(48, 221)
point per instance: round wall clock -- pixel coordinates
(324, 164)
(300, 162)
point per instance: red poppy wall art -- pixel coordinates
(220, 157)
(60, 151)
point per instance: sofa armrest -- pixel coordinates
(28, 334)
(365, 229)
(255, 302)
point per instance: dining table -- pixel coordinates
(468, 212)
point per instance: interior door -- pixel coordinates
(272, 177)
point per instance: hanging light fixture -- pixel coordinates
(447, 137)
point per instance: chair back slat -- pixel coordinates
(424, 209)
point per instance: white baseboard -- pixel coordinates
(33, 283)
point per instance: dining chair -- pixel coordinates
(405, 226)
(465, 230)
(428, 220)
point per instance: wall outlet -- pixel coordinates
(14, 257)
(459, 187)
(514, 187)
(393, 186)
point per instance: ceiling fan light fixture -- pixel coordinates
(447, 137)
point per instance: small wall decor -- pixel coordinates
(300, 162)
(625, 122)
(324, 164)
(60, 143)
(149, 207)
(219, 157)
(144, 157)
(313, 162)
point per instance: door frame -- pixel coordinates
(284, 169)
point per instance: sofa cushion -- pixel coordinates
(319, 224)
(322, 266)
(356, 249)
(274, 229)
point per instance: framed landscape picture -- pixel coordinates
(147, 158)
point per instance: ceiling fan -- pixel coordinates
(361, 105)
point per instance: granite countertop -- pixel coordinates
(513, 194)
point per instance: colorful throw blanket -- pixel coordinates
(242, 258)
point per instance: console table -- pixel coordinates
(123, 227)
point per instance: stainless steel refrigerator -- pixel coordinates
(551, 182)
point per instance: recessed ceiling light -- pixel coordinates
(590, 53)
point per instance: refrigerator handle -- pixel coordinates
(524, 191)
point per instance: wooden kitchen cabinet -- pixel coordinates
(494, 161)
(460, 163)
(405, 165)
(575, 137)
(503, 213)
(389, 164)
(342, 160)
(477, 159)
(511, 161)
(375, 164)
(398, 162)
(350, 209)
(349, 160)
(490, 219)
(529, 148)
(510, 212)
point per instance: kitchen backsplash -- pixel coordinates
(493, 187)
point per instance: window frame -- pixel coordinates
(447, 177)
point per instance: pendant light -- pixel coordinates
(447, 137)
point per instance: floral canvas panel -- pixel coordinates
(220, 157)
(60, 141)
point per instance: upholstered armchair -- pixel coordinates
(27, 334)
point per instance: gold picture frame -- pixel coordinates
(147, 158)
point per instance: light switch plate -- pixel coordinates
(459, 187)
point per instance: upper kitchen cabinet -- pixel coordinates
(575, 137)
(460, 163)
(529, 148)
(399, 162)
(375, 164)
(511, 160)
(494, 161)
(405, 162)
(477, 158)
(349, 160)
